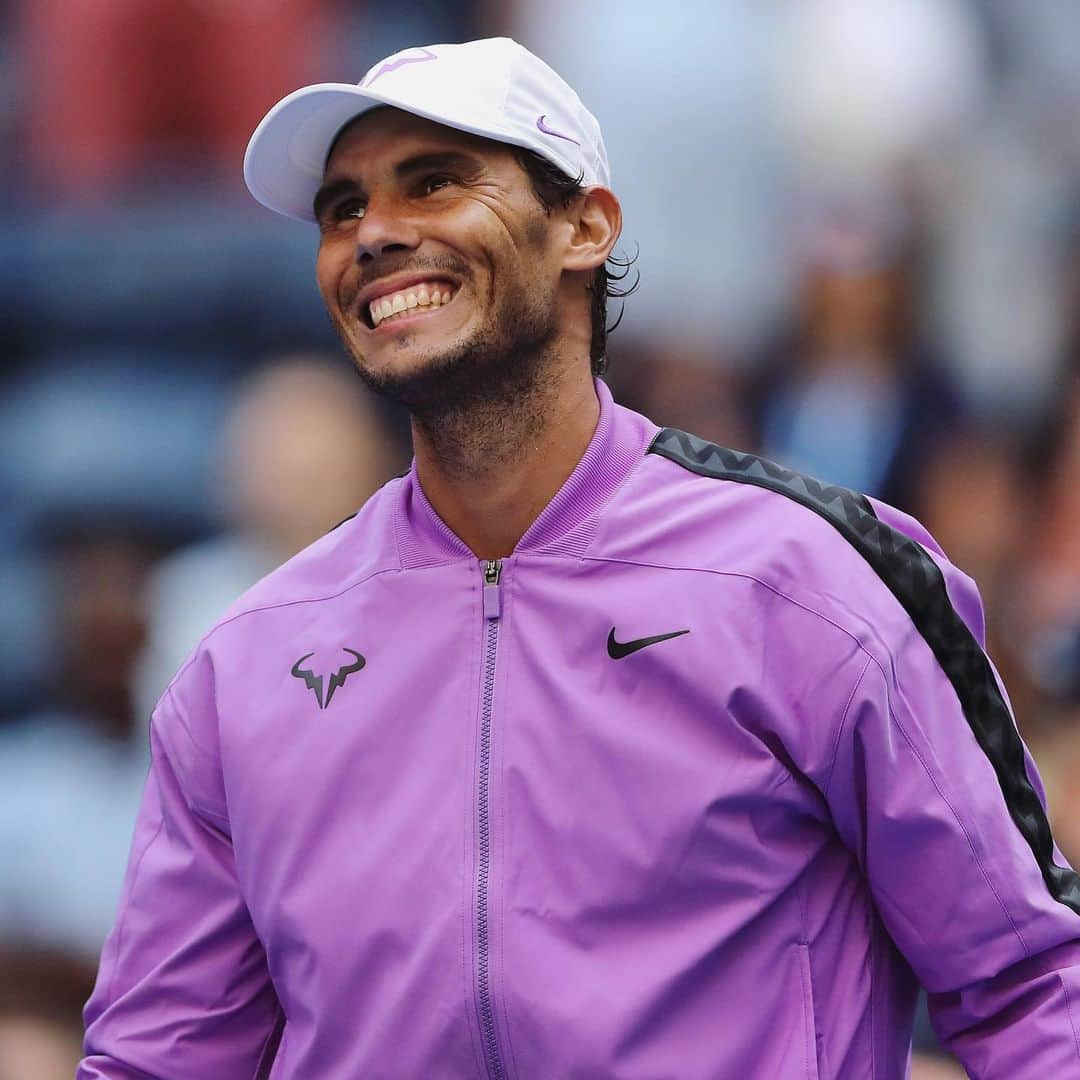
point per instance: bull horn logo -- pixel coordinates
(315, 682)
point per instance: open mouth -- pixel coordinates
(419, 298)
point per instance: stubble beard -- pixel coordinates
(480, 400)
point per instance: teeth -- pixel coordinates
(423, 295)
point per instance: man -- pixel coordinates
(585, 749)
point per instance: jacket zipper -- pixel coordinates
(492, 570)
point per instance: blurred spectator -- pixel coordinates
(1048, 619)
(116, 92)
(926, 1066)
(682, 388)
(304, 447)
(1061, 752)
(1051, 577)
(72, 772)
(41, 998)
(99, 434)
(851, 395)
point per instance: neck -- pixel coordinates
(490, 467)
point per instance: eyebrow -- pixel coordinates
(442, 159)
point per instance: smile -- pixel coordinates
(393, 306)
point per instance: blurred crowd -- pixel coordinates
(857, 229)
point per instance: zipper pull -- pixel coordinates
(492, 570)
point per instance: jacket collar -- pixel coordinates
(618, 443)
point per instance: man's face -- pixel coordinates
(437, 263)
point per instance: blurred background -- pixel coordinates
(858, 234)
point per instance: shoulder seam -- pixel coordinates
(213, 759)
(827, 779)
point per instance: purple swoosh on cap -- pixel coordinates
(551, 131)
(393, 65)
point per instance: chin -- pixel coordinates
(421, 377)
(410, 355)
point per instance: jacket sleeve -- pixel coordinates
(183, 988)
(934, 792)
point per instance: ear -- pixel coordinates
(595, 219)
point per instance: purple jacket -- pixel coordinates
(698, 783)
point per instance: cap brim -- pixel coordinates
(286, 156)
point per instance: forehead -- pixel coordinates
(385, 135)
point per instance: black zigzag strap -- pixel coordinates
(915, 580)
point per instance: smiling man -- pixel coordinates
(586, 748)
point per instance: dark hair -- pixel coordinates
(552, 188)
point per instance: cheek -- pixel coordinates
(524, 264)
(322, 279)
(330, 267)
(536, 231)
(539, 254)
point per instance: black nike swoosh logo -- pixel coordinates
(618, 649)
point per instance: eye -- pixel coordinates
(434, 182)
(349, 208)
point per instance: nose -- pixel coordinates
(383, 228)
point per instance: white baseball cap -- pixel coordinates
(492, 87)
